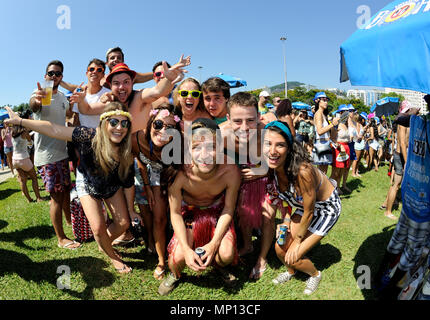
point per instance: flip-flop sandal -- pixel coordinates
(159, 275)
(122, 243)
(391, 216)
(382, 207)
(256, 272)
(124, 269)
(67, 245)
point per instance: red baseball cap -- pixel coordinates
(120, 68)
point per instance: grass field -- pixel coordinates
(31, 263)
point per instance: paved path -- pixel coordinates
(6, 174)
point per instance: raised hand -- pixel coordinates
(39, 94)
(79, 94)
(107, 97)
(176, 73)
(14, 119)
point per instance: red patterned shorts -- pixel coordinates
(56, 176)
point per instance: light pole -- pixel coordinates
(285, 66)
(200, 73)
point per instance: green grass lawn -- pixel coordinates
(31, 263)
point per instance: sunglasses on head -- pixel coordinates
(113, 122)
(158, 74)
(187, 93)
(159, 124)
(56, 73)
(99, 69)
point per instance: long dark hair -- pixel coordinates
(297, 156)
(284, 108)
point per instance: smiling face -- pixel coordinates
(215, 103)
(242, 119)
(122, 86)
(54, 70)
(162, 122)
(117, 128)
(114, 58)
(275, 149)
(203, 150)
(96, 75)
(188, 104)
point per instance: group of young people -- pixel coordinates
(184, 153)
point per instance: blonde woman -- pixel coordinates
(105, 171)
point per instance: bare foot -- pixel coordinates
(258, 270)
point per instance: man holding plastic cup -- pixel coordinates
(50, 157)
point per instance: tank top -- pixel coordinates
(343, 136)
(20, 150)
(7, 140)
(324, 136)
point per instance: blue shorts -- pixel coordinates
(8, 150)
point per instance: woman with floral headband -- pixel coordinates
(147, 147)
(105, 171)
(188, 98)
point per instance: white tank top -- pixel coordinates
(324, 136)
(20, 151)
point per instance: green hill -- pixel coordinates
(291, 85)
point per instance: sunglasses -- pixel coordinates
(158, 74)
(56, 73)
(324, 99)
(92, 69)
(159, 124)
(186, 93)
(114, 122)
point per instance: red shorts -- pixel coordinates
(336, 152)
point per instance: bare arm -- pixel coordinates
(68, 86)
(143, 77)
(175, 201)
(44, 127)
(319, 124)
(401, 140)
(223, 224)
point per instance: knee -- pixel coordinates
(226, 254)
(160, 220)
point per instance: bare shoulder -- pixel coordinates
(230, 172)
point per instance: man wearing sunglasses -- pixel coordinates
(51, 158)
(95, 73)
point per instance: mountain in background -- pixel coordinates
(290, 84)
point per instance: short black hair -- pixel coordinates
(159, 63)
(55, 63)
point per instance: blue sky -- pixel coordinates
(236, 37)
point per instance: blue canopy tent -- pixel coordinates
(385, 106)
(232, 81)
(3, 115)
(392, 50)
(301, 106)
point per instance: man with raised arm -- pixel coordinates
(51, 158)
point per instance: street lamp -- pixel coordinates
(285, 66)
(200, 73)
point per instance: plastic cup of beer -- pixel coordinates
(47, 87)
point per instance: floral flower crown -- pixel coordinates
(164, 113)
(115, 113)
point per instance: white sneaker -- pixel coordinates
(283, 277)
(312, 283)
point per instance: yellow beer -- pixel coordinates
(47, 100)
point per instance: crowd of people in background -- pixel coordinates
(115, 140)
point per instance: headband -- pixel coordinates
(283, 127)
(116, 112)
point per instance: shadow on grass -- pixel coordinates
(370, 254)
(90, 268)
(4, 194)
(18, 237)
(3, 224)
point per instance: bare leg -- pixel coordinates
(22, 179)
(159, 227)
(35, 185)
(146, 214)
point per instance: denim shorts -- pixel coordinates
(80, 185)
(8, 150)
